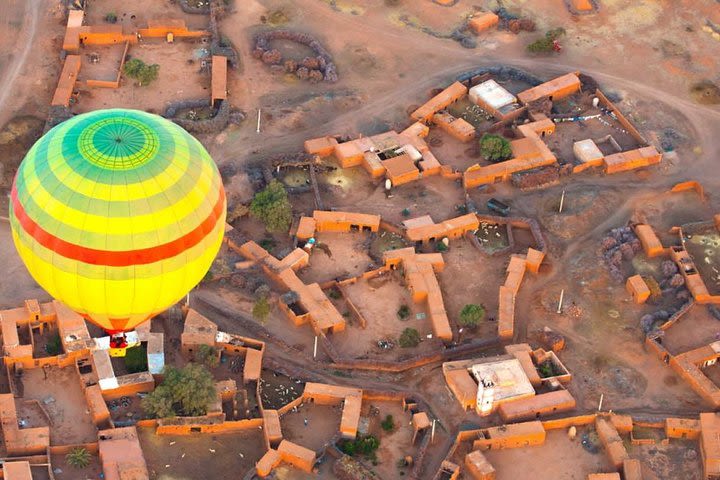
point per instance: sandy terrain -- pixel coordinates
(558, 457)
(70, 420)
(172, 457)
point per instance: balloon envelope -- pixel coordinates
(118, 214)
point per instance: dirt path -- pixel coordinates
(26, 41)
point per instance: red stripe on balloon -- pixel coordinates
(111, 258)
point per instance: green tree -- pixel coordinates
(207, 356)
(361, 446)
(136, 359)
(388, 424)
(187, 391)
(403, 312)
(409, 338)
(471, 315)
(140, 71)
(261, 309)
(54, 345)
(272, 207)
(495, 148)
(545, 44)
(78, 457)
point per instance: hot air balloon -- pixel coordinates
(118, 214)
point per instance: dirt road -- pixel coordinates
(24, 43)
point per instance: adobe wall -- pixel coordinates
(91, 447)
(61, 361)
(677, 315)
(627, 125)
(687, 186)
(231, 426)
(564, 423)
(129, 390)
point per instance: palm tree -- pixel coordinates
(78, 457)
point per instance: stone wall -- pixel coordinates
(263, 50)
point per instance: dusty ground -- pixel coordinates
(94, 470)
(559, 457)
(664, 52)
(323, 422)
(383, 321)
(70, 420)
(174, 457)
(347, 257)
(179, 76)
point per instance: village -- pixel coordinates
(433, 265)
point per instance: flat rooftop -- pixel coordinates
(507, 375)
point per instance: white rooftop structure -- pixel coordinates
(492, 94)
(508, 378)
(587, 151)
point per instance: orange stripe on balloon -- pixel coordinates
(111, 258)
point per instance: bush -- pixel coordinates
(78, 457)
(471, 315)
(361, 446)
(403, 312)
(272, 207)
(111, 18)
(388, 424)
(136, 359)
(495, 148)
(545, 369)
(54, 345)
(140, 71)
(187, 391)
(267, 243)
(207, 356)
(545, 44)
(409, 338)
(441, 247)
(261, 309)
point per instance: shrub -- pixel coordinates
(136, 359)
(187, 391)
(471, 315)
(495, 148)
(409, 338)
(54, 345)
(388, 424)
(111, 18)
(272, 207)
(361, 446)
(441, 247)
(78, 457)
(545, 44)
(261, 309)
(207, 356)
(403, 312)
(140, 71)
(405, 212)
(334, 294)
(267, 243)
(545, 369)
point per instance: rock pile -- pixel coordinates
(621, 244)
(314, 69)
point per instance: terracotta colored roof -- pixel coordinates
(400, 165)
